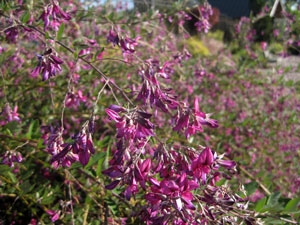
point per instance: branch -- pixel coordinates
(84, 60)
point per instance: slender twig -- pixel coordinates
(86, 212)
(114, 59)
(70, 196)
(30, 141)
(98, 182)
(22, 145)
(66, 97)
(98, 96)
(4, 87)
(52, 97)
(263, 187)
(87, 62)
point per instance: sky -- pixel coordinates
(114, 2)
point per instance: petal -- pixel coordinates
(179, 204)
(113, 115)
(84, 157)
(112, 185)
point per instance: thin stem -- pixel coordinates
(52, 97)
(263, 187)
(114, 59)
(4, 87)
(70, 196)
(87, 62)
(98, 96)
(98, 182)
(66, 96)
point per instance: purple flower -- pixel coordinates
(135, 125)
(54, 12)
(10, 157)
(54, 214)
(11, 34)
(48, 64)
(201, 166)
(11, 115)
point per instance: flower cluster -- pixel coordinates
(48, 65)
(12, 34)
(151, 92)
(10, 157)
(205, 13)
(126, 44)
(171, 199)
(192, 121)
(74, 98)
(9, 114)
(54, 12)
(133, 125)
(65, 154)
(182, 17)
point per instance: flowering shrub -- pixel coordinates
(112, 123)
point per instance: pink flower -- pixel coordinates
(263, 45)
(54, 214)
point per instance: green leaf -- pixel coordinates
(104, 142)
(292, 205)
(251, 187)
(220, 182)
(4, 168)
(48, 199)
(97, 53)
(26, 186)
(128, 90)
(47, 35)
(99, 167)
(29, 133)
(260, 204)
(25, 17)
(273, 221)
(76, 165)
(273, 199)
(111, 16)
(289, 83)
(76, 54)
(12, 127)
(12, 176)
(60, 31)
(95, 159)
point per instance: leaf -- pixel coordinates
(60, 31)
(104, 142)
(4, 168)
(76, 165)
(260, 204)
(251, 187)
(273, 221)
(26, 186)
(99, 167)
(76, 54)
(111, 16)
(96, 54)
(29, 133)
(25, 17)
(292, 205)
(47, 35)
(220, 182)
(12, 127)
(289, 83)
(12, 176)
(48, 199)
(95, 159)
(273, 199)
